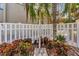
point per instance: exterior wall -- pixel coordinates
(1, 12)
(14, 13)
(1, 16)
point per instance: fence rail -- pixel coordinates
(70, 32)
(13, 31)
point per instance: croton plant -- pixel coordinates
(57, 47)
(17, 48)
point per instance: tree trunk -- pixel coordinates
(54, 9)
(69, 13)
(27, 8)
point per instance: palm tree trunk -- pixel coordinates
(54, 5)
(27, 8)
(69, 13)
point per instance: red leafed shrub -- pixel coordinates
(57, 48)
(17, 47)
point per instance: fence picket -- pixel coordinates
(15, 32)
(5, 33)
(34, 31)
(10, 33)
(0, 34)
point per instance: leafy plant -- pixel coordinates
(60, 38)
(69, 21)
(49, 45)
(57, 48)
(17, 47)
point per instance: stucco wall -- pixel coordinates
(15, 13)
(1, 16)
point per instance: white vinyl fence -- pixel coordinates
(13, 31)
(70, 32)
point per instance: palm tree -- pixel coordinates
(43, 11)
(27, 8)
(71, 8)
(75, 10)
(67, 10)
(32, 12)
(54, 10)
(48, 15)
(38, 13)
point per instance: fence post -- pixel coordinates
(5, 32)
(26, 30)
(67, 34)
(19, 31)
(10, 32)
(32, 32)
(51, 31)
(78, 35)
(39, 35)
(0, 33)
(15, 31)
(22, 31)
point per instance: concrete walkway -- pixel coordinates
(40, 52)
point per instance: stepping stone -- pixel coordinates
(40, 52)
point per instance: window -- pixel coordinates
(1, 6)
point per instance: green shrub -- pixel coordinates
(60, 38)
